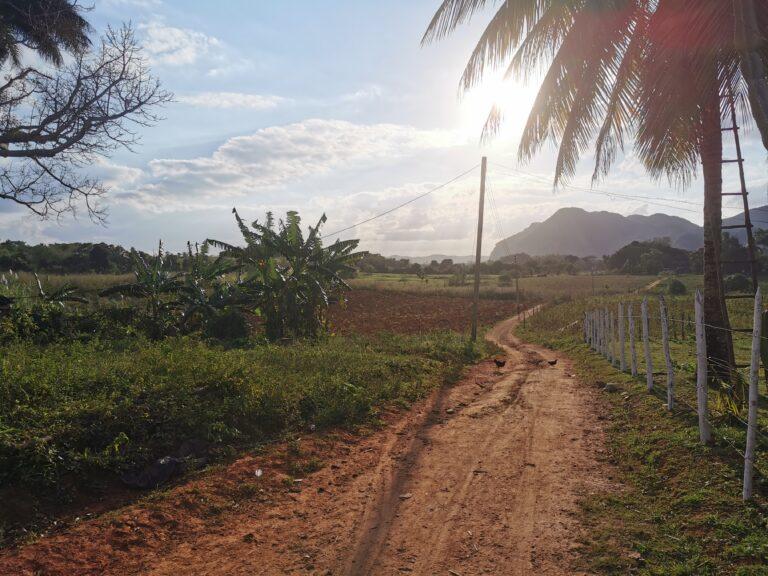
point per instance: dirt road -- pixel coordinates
(481, 478)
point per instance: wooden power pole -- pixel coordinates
(479, 252)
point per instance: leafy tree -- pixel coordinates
(653, 69)
(649, 258)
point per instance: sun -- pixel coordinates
(513, 97)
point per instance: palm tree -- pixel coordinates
(654, 70)
(750, 19)
(46, 26)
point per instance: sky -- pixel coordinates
(334, 107)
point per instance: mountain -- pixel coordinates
(759, 218)
(581, 233)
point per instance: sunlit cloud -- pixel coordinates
(275, 157)
(170, 46)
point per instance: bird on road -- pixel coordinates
(499, 363)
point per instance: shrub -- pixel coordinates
(675, 287)
(228, 325)
(737, 283)
(75, 408)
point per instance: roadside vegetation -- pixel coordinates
(73, 412)
(677, 507)
(113, 383)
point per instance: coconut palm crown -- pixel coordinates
(659, 72)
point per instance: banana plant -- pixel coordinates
(158, 287)
(256, 256)
(291, 279)
(205, 289)
(307, 275)
(61, 295)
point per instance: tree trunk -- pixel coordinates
(719, 342)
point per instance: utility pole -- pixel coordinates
(517, 286)
(478, 254)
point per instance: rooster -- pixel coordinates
(499, 363)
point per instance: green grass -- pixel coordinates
(532, 289)
(678, 508)
(89, 284)
(79, 410)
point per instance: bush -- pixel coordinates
(675, 287)
(78, 408)
(228, 325)
(737, 283)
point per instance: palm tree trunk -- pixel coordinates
(719, 342)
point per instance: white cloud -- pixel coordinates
(115, 176)
(232, 100)
(271, 158)
(166, 45)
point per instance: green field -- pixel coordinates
(532, 289)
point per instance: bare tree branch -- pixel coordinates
(54, 125)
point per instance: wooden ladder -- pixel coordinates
(751, 250)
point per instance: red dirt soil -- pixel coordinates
(483, 477)
(372, 311)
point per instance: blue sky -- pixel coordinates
(332, 107)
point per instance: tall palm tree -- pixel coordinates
(48, 27)
(652, 70)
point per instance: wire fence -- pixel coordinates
(605, 331)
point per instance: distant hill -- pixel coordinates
(759, 218)
(581, 233)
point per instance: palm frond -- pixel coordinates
(450, 15)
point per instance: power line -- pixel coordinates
(542, 179)
(412, 200)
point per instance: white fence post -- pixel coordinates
(754, 367)
(632, 348)
(604, 327)
(647, 346)
(609, 315)
(594, 329)
(622, 339)
(597, 331)
(667, 355)
(705, 434)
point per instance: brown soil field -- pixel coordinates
(482, 477)
(372, 311)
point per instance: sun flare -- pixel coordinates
(513, 98)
